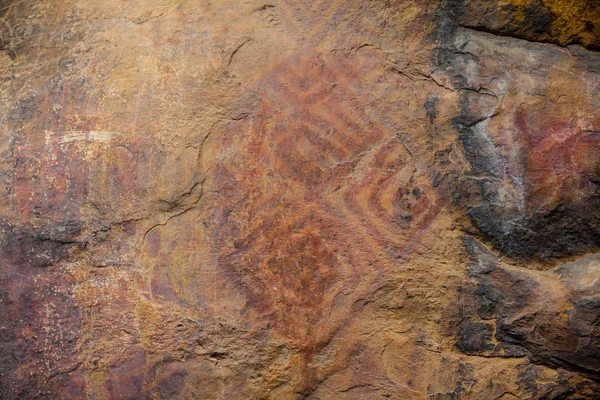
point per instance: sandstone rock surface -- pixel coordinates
(334, 199)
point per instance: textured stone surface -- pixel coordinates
(336, 199)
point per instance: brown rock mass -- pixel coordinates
(328, 199)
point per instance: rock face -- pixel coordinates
(336, 199)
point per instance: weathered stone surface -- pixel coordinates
(553, 320)
(562, 22)
(327, 200)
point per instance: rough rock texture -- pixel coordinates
(334, 199)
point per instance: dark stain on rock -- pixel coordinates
(538, 19)
(475, 338)
(562, 232)
(565, 386)
(42, 247)
(431, 107)
(528, 321)
(171, 386)
(532, 20)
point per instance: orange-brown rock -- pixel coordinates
(287, 200)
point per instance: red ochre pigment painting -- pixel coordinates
(333, 199)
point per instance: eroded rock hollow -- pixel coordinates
(327, 199)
